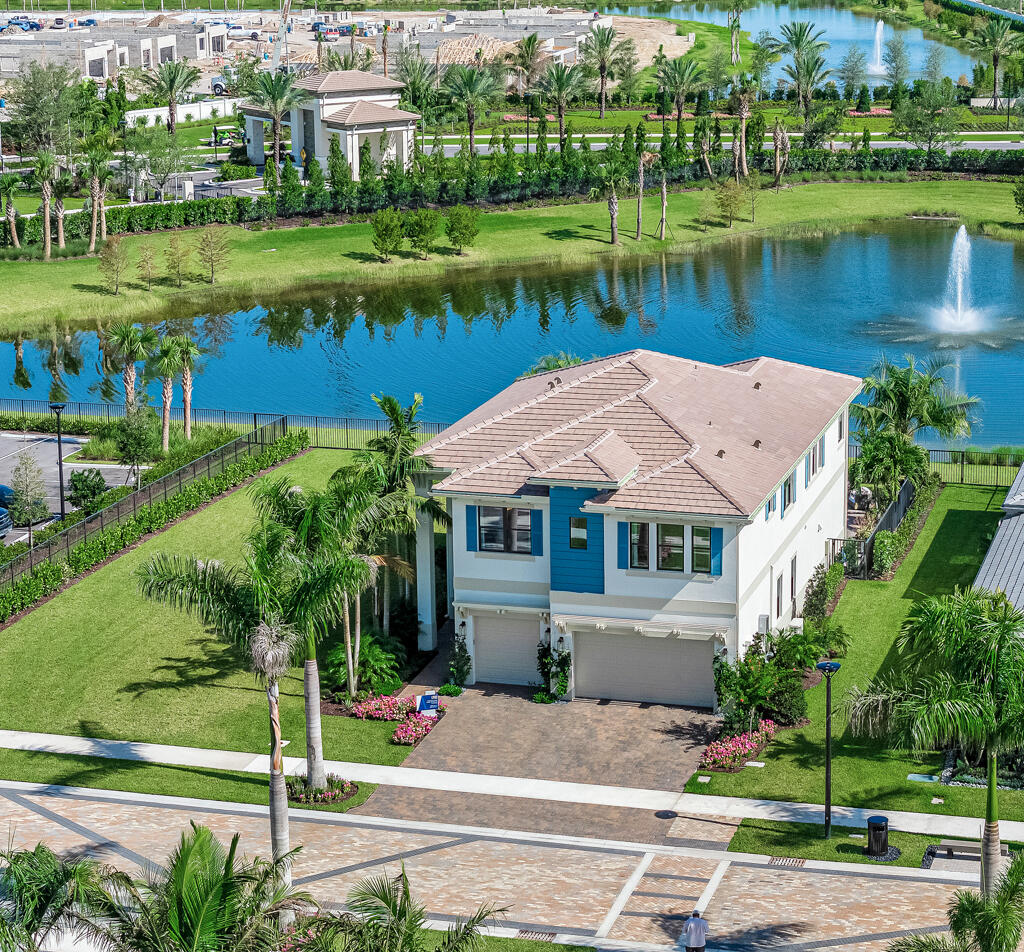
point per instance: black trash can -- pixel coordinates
(878, 836)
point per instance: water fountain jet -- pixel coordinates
(876, 67)
(956, 313)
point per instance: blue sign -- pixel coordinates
(427, 702)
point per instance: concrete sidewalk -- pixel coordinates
(933, 824)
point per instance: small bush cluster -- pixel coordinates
(48, 577)
(384, 707)
(413, 730)
(822, 589)
(450, 690)
(730, 753)
(890, 547)
(336, 790)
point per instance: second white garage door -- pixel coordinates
(630, 667)
(505, 648)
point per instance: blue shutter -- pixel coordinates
(623, 545)
(767, 509)
(716, 551)
(807, 470)
(821, 453)
(782, 499)
(536, 532)
(471, 525)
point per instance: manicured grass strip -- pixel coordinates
(807, 841)
(947, 553)
(434, 938)
(311, 257)
(99, 661)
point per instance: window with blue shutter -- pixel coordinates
(821, 453)
(807, 470)
(536, 532)
(623, 545)
(471, 538)
(716, 551)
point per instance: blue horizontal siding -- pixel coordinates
(575, 570)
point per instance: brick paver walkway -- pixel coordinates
(615, 894)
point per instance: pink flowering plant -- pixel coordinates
(384, 707)
(730, 753)
(337, 789)
(413, 730)
(301, 937)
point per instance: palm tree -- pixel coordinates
(42, 895)
(133, 344)
(45, 169)
(800, 39)
(610, 179)
(474, 88)
(189, 353)
(277, 95)
(807, 73)
(644, 161)
(62, 187)
(96, 162)
(978, 923)
(202, 897)
(680, 77)
(167, 363)
(525, 61)
(171, 81)
(551, 362)
(740, 103)
(958, 680)
(10, 185)
(997, 40)
(561, 85)
(736, 8)
(103, 175)
(604, 56)
(911, 399)
(419, 76)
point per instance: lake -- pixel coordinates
(837, 301)
(842, 30)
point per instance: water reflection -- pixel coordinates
(832, 300)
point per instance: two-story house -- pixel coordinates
(356, 106)
(641, 511)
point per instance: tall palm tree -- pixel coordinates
(261, 606)
(45, 169)
(978, 923)
(201, 898)
(171, 81)
(474, 89)
(997, 40)
(166, 363)
(912, 399)
(736, 8)
(525, 59)
(741, 101)
(96, 161)
(277, 95)
(189, 353)
(103, 176)
(42, 895)
(800, 39)
(611, 178)
(680, 77)
(133, 343)
(807, 73)
(62, 187)
(958, 680)
(561, 85)
(419, 76)
(10, 185)
(604, 56)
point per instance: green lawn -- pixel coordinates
(315, 257)
(97, 660)
(807, 841)
(864, 773)
(434, 939)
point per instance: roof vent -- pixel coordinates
(757, 384)
(720, 454)
(757, 444)
(558, 380)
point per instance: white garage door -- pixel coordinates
(505, 648)
(630, 667)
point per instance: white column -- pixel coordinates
(450, 560)
(426, 581)
(255, 145)
(296, 130)
(353, 154)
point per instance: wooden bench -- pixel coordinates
(970, 847)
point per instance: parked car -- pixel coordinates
(6, 496)
(329, 34)
(6, 523)
(59, 24)
(243, 33)
(219, 85)
(88, 21)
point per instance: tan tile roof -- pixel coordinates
(700, 437)
(347, 81)
(362, 113)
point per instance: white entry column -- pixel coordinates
(255, 146)
(426, 581)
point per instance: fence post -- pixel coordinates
(963, 461)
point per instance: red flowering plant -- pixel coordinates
(730, 753)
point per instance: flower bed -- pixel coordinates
(336, 791)
(412, 730)
(873, 111)
(384, 707)
(730, 753)
(509, 117)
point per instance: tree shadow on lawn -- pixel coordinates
(92, 288)
(577, 234)
(210, 667)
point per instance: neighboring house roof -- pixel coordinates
(1003, 568)
(347, 81)
(1014, 502)
(363, 113)
(663, 433)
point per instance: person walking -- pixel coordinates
(695, 932)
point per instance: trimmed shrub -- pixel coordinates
(787, 704)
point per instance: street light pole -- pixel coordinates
(58, 408)
(828, 668)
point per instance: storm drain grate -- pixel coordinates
(786, 861)
(535, 936)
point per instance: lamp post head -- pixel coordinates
(828, 668)
(57, 408)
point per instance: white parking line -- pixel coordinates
(713, 882)
(623, 897)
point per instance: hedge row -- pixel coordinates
(48, 577)
(822, 588)
(890, 547)
(47, 423)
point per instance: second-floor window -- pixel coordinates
(578, 532)
(504, 530)
(639, 545)
(671, 548)
(789, 491)
(701, 549)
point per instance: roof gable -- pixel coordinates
(347, 81)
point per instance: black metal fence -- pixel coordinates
(971, 467)
(212, 464)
